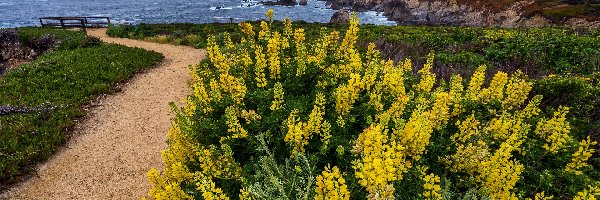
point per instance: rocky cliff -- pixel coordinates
(506, 13)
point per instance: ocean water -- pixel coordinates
(19, 13)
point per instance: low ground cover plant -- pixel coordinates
(274, 115)
(56, 86)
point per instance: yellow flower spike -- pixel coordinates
(407, 65)
(427, 79)
(456, 95)
(393, 82)
(265, 31)
(347, 94)
(532, 108)
(210, 191)
(592, 193)
(316, 116)
(273, 49)
(216, 57)
(382, 162)
(467, 158)
(541, 196)
(432, 187)
(269, 15)
(277, 96)
(555, 130)
(416, 133)
(440, 113)
(228, 41)
(476, 83)
(233, 124)
(467, 129)
(517, 90)
(300, 51)
(499, 174)
(287, 27)
(350, 37)
(580, 157)
(496, 90)
(259, 67)
(331, 185)
(247, 29)
(325, 133)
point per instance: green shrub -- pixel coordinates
(277, 116)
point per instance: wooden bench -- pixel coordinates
(74, 22)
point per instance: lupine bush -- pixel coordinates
(277, 116)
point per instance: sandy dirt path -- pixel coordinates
(122, 137)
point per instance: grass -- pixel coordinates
(67, 79)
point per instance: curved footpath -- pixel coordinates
(121, 138)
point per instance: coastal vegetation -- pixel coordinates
(284, 110)
(40, 100)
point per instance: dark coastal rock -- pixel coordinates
(460, 12)
(303, 2)
(340, 17)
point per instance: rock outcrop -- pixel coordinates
(340, 17)
(458, 12)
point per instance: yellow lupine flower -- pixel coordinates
(350, 37)
(210, 191)
(541, 196)
(277, 96)
(216, 57)
(382, 162)
(476, 83)
(331, 185)
(555, 130)
(297, 133)
(259, 67)
(325, 132)
(456, 94)
(269, 14)
(580, 157)
(393, 82)
(588, 194)
(233, 124)
(496, 90)
(517, 90)
(468, 157)
(265, 31)
(316, 115)
(273, 49)
(499, 174)
(346, 95)
(432, 187)
(416, 133)
(427, 78)
(407, 65)
(300, 51)
(440, 112)
(467, 129)
(247, 29)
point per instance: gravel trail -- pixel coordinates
(121, 138)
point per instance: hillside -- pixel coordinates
(507, 13)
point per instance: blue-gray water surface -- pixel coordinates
(19, 13)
